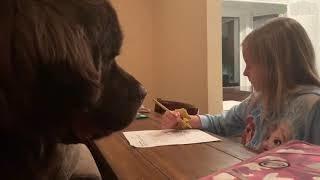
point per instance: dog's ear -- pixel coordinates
(47, 65)
(63, 63)
(52, 51)
(6, 83)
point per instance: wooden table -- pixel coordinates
(167, 162)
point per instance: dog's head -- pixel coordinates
(58, 74)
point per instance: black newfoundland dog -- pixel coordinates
(59, 81)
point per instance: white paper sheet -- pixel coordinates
(152, 138)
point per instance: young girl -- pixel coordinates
(285, 103)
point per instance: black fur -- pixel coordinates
(59, 81)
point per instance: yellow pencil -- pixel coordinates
(161, 105)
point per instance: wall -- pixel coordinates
(214, 56)
(261, 1)
(136, 55)
(187, 65)
(168, 49)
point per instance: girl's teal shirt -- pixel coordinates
(299, 119)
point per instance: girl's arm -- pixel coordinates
(228, 123)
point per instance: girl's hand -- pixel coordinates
(170, 119)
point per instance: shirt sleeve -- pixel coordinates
(228, 123)
(312, 133)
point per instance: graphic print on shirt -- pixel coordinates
(277, 133)
(283, 130)
(248, 132)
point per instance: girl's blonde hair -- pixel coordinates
(283, 48)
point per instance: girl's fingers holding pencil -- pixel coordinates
(172, 114)
(170, 119)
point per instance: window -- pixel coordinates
(230, 51)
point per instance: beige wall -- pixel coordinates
(136, 55)
(182, 52)
(168, 49)
(214, 56)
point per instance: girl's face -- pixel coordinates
(253, 71)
